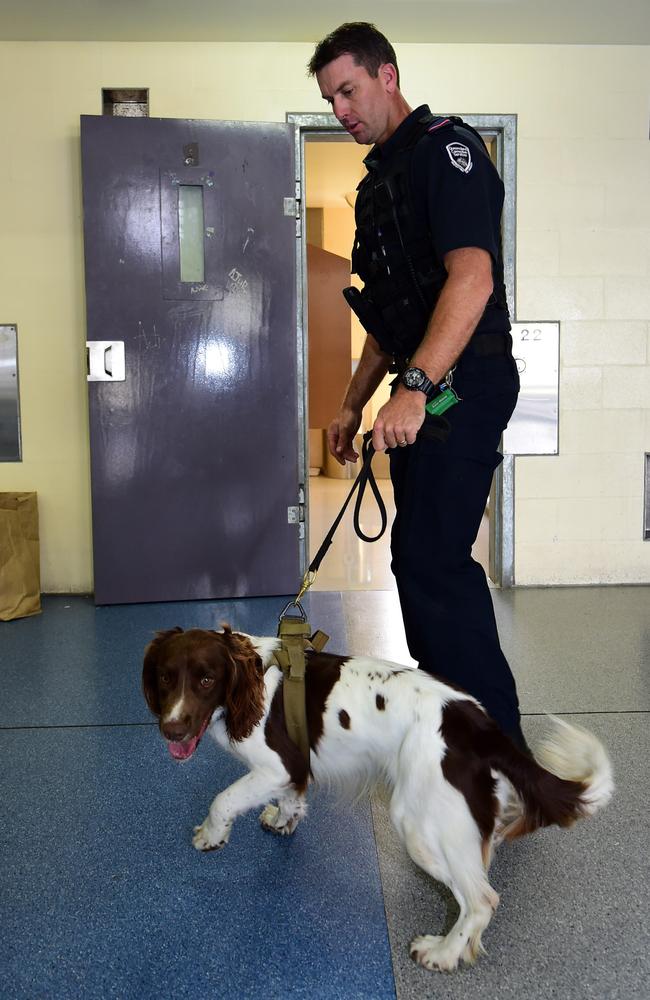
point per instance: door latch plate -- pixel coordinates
(106, 361)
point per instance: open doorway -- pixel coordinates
(331, 168)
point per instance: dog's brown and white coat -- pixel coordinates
(458, 786)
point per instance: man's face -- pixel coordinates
(359, 101)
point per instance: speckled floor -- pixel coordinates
(103, 896)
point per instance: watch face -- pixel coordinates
(413, 378)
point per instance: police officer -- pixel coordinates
(428, 249)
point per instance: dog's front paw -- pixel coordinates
(433, 953)
(210, 838)
(269, 817)
(275, 820)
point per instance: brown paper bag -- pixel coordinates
(20, 572)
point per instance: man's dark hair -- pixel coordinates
(359, 39)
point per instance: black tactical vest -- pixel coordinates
(393, 250)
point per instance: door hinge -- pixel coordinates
(296, 514)
(298, 219)
(292, 209)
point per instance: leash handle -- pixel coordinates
(367, 451)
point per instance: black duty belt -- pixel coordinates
(482, 345)
(489, 345)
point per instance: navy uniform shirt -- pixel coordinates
(459, 189)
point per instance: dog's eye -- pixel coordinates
(207, 682)
(164, 680)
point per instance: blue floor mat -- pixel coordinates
(104, 896)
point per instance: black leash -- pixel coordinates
(294, 631)
(364, 478)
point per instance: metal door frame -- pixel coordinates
(503, 129)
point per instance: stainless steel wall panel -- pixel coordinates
(533, 427)
(10, 440)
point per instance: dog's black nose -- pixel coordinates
(175, 732)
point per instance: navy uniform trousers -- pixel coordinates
(441, 490)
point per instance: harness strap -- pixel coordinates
(294, 637)
(319, 640)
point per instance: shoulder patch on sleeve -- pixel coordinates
(460, 156)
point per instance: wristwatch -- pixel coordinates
(415, 378)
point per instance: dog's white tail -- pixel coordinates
(570, 777)
(575, 754)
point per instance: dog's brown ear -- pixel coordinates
(149, 680)
(245, 686)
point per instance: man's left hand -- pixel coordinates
(399, 420)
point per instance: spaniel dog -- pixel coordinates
(457, 785)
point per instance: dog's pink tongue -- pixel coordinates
(181, 751)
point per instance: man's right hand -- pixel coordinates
(340, 436)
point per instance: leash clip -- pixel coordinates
(307, 581)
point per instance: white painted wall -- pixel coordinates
(583, 258)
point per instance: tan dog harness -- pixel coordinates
(295, 638)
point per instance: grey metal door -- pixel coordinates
(190, 264)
